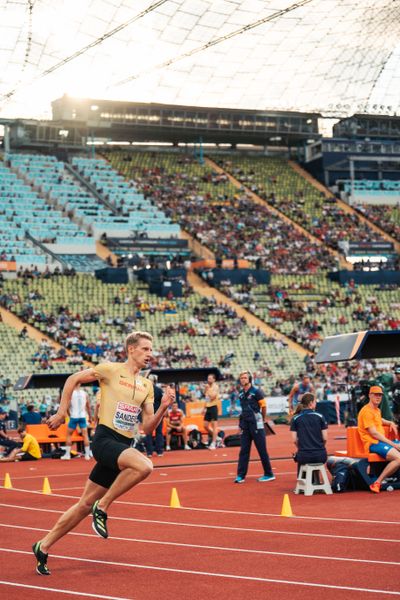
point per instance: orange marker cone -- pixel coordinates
(46, 486)
(286, 508)
(174, 499)
(7, 482)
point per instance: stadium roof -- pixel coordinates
(336, 57)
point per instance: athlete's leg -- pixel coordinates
(68, 444)
(214, 428)
(134, 468)
(393, 456)
(207, 427)
(86, 443)
(73, 515)
(12, 456)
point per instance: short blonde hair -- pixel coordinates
(133, 338)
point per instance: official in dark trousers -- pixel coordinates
(158, 445)
(251, 423)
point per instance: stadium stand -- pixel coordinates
(378, 200)
(88, 316)
(20, 355)
(132, 213)
(44, 222)
(16, 197)
(276, 182)
(309, 308)
(210, 209)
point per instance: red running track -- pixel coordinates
(225, 541)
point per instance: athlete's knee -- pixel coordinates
(146, 468)
(85, 506)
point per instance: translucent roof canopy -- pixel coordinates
(336, 57)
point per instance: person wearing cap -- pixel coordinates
(370, 428)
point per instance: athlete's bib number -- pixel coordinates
(126, 416)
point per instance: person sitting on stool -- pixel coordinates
(372, 434)
(175, 425)
(309, 433)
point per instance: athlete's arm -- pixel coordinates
(212, 393)
(392, 426)
(150, 420)
(85, 376)
(380, 437)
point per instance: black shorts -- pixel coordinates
(107, 445)
(211, 414)
(27, 456)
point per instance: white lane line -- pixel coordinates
(219, 548)
(161, 482)
(49, 589)
(157, 465)
(223, 528)
(208, 574)
(14, 478)
(223, 511)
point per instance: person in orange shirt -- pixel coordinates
(370, 428)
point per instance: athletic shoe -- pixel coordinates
(99, 523)
(212, 446)
(168, 448)
(160, 454)
(65, 457)
(187, 447)
(41, 557)
(87, 457)
(375, 487)
(239, 479)
(266, 478)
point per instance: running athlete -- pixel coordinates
(124, 395)
(79, 408)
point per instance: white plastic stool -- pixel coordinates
(305, 483)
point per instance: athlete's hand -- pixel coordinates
(168, 396)
(55, 421)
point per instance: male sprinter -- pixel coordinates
(124, 395)
(370, 427)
